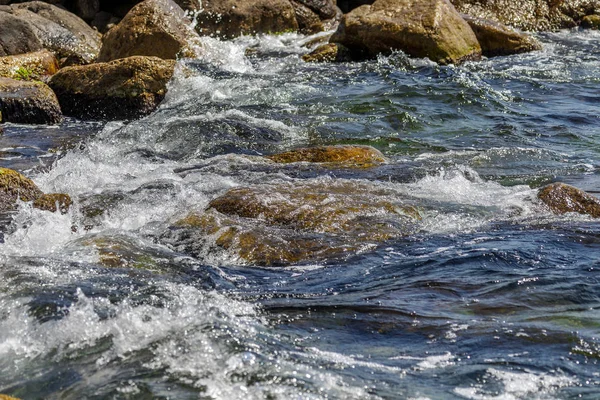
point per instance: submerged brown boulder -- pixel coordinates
(28, 103)
(14, 186)
(157, 28)
(562, 198)
(497, 39)
(29, 66)
(329, 52)
(420, 28)
(345, 156)
(287, 223)
(120, 89)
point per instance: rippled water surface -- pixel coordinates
(492, 298)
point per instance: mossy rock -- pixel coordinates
(591, 22)
(13, 186)
(54, 202)
(29, 66)
(5, 397)
(343, 155)
(562, 199)
(119, 252)
(28, 102)
(329, 52)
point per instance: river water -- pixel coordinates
(492, 298)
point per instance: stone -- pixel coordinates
(232, 18)
(497, 39)
(191, 5)
(287, 223)
(5, 397)
(14, 186)
(156, 28)
(329, 52)
(16, 35)
(53, 202)
(348, 5)
(591, 22)
(29, 66)
(122, 89)
(562, 198)
(420, 28)
(68, 36)
(308, 20)
(326, 9)
(86, 9)
(344, 156)
(530, 15)
(27, 102)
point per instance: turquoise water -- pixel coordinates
(492, 298)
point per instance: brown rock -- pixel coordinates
(54, 202)
(420, 28)
(562, 198)
(308, 20)
(231, 18)
(28, 66)
(330, 52)
(15, 186)
(497, 39)
(120, 89)
(346, 156)
(16, 35)
(28, 103)
(591, 22)
(5, 397)
(326, 9)
(152, 28)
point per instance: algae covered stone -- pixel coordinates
(344, 155)
(562, 198)
(53, 202)
(29, 66)
(14, 186)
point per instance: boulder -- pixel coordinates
(330, 52)
(152, 28)
(5, 397)
(344, 156)
(420, 28)
(65, 34)
(122, 89)
(308, 21)
(562, 198)
(497, 39)
(17, 36)
(591, 22)
(326, 9)
(15, 186)
(28, 66)
(288, 223)
(28, 103)
(231, 18)
(53, 202)
(530, 15)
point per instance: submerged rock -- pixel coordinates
(420, 28)
(345, 156)
(28, 103)
(231, 18)
(330, 52)
(120, 89)
(562, 198)
(591, 22)
(15, 186)
(289, 223)
(53, 202)
(157, 28)
(28, 66)
(497, 39)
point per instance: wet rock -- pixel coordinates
(28, 103)
(421, 28)
(530, 15)
(120, 252)
(53, 202)
(231, 18)
(14, 186)
(330, 52)
(68, 36)
(326, 9)
(152, 28)
(120, 89)
(497, 39)
(591, 22)
(308, 20)
(345, 156)
(289, 223)
(28, 66)
(562, 198)
(5, 397)
(16, 35)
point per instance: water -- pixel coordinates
(492, 298)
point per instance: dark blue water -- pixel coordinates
(493, 297)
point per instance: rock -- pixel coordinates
(5, 397)
(288, 223)
(308, 20)
(152, 28)
(28, 103)
(562, 198)
(53, 202)
(15, 186)
(591, 22)
(191, 5)
(28, 66)
(231, 18)
(530, 15)
(122, 89)
(348, 5)
(330, 52)
(326, 9)
(121, 252)
(497, 39)
(420, 28)
(65, 34)
(345, 156)
(103, 21)
(86, 9)
(16, 35)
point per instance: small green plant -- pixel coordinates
(24, 74)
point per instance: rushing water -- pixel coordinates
(493, 297)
